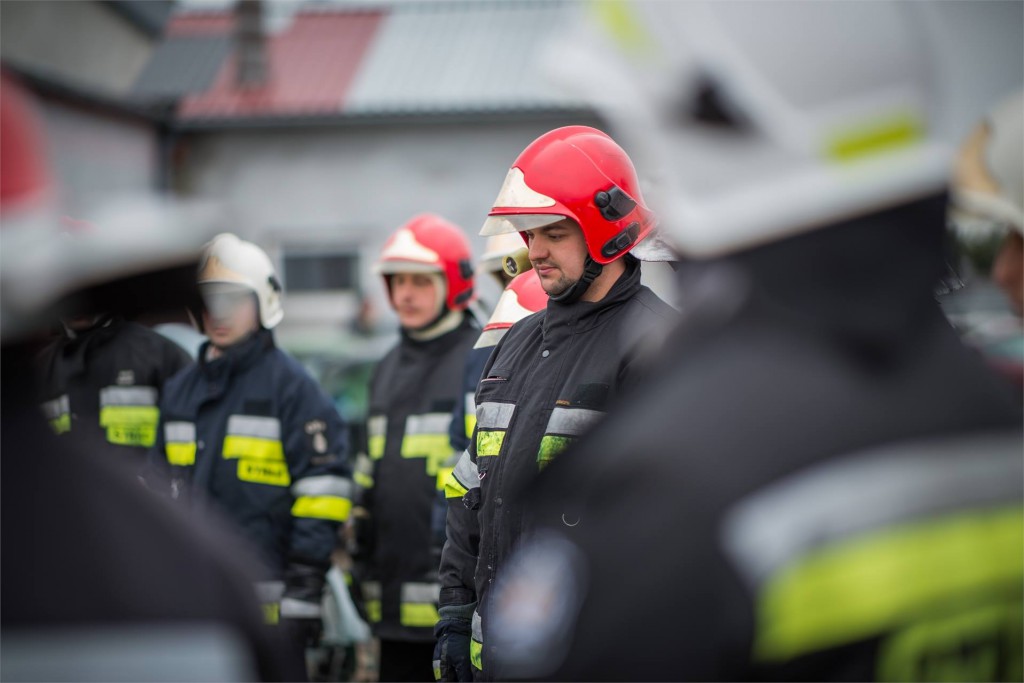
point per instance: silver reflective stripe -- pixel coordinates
(478, 627)
(421, 592)
(494, 415)
(428, 423)
(371, 590)
(180, 432)
(259, 427)
(469, 403)
(323, 485)
(377, 425)
(299, 609)
(862, 492)
(128, 396)
(572, 421)
(57, 407)
(466, 472)
(269, 591)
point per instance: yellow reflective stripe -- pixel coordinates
(453, 489)
(376, 447)
(437, 669)
(62, 424)
(252, 447)
(476, 651)
(418, 614)
(488, 442)
(436, 448)
(267, 472)
(470, 424)
(271, 613)
(899, 130)
(322, 507)
(550, 446)
(181, 454)
(130, 425)
(864, 586)
(443, 474)
(363, 479)
(373, 610)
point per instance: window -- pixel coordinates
(312, 272)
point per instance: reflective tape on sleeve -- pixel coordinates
(180, 443)
(572, 421)
(489, 441)
(255, 426)
(323, 485)
(465, 476)
(128, 396)
(322, 507)
(476, 643)
(419, 604)
(130, 425)
(376, 430)
(57, 407)
(269, 472)
(490, 415)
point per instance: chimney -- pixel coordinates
(250, 45)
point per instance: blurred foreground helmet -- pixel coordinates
(523, 296)
(229, 260)
(579, 173)
(767, 119)
(131, 254)
(988, 180)
(428, 243)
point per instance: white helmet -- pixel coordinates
(495, 251)
(761, 120)
(988, 179)
(230, 260)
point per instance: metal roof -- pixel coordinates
(459, 57)
(430, 59)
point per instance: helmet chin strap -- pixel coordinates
(572, 294)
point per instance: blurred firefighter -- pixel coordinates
(428, 273)
(821, 483)
(101, 378)
(249, 433)
(100, 581)
(573, 194)
(988, 203)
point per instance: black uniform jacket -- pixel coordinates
(103, 386)
(549, 380)
(413, 392)
(253, 434)
(786, 499)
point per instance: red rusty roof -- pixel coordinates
(310, 66)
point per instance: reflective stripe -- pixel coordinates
(437, 669)
(469, 406)
(252, 425)
(62, 424)
(492, 415)
(323, 485)
(269, 591)
(861, 492)
(252, 448)
(372, 590)
(373, 610)
(128, 396)
(476, 643)
(179, 431)
(300, 609)
(465, 476)
(866, 585)
(900, 129)
(57, 407)
(550, 446)
(362, 479)
(488, 442)
(181, 454)
(572, 421)
(421, 592)
(426, 446)
(322, 507)
(270, 472)
(427, 423)
(130, 425)
(418, 615)
(376, 430)
(443, 473)
(271, 613)
(371, 596)
(419, 604)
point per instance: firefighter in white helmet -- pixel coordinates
(249, 433)
(777, 502)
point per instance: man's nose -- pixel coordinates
(536, 250)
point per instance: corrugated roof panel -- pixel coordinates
(310, 66)
(182, 65)
(459, 57)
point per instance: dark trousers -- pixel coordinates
(405, 661)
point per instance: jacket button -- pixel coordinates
(200, 445)
(545, 353)
(497, 501)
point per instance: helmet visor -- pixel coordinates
(222, 300)
(497, 225)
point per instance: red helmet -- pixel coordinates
(522, 296)
(428, 243)
(580, 173)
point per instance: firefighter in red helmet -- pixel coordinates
(573, 195)
(428, 272)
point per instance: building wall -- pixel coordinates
(349, 188)
(80, 41)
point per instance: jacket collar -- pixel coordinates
(236, 358)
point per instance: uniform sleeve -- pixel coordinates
(156, 471)
(316, 447)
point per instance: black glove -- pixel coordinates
(451, 653)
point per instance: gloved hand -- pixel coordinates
(451, 653)
(301, 609)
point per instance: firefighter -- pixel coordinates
(821, 482)
(246, 431)
(99, 578)
(574, 196)
(101, 381)
(428, 273)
